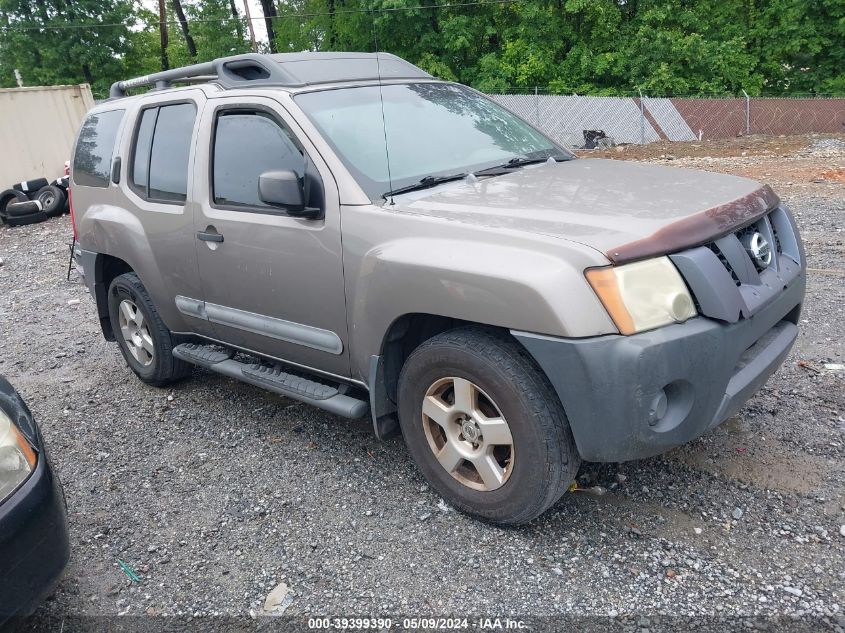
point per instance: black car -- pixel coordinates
(34, 547)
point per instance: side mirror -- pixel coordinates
(282, 189)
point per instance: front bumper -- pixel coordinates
(34, 545)
(630, 397)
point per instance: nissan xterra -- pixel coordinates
(348, 231)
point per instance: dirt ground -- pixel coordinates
(215, 491)
(756, 157)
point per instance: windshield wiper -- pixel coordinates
(424, 183)
(516, 162)
(513, 163)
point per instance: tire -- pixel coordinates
(542, 460)
(52, 200)
(20, 209)
(10, 196)
(23, 213)
(154, 363)
(23, 220)
(29, 187)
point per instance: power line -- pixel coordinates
(290, 16)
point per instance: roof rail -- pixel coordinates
(229, 72)
(290, 70)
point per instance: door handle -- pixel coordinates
(115, 170)
(207, 236)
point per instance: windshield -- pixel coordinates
(432, 129)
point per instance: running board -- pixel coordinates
(272, 378)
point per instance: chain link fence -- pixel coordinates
(644, 119)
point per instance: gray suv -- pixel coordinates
(348, 231)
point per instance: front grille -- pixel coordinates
(778, 247)
(724, 260)
(735, 256)
(728, 282)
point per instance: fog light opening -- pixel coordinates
(670, 406)
(657, 409)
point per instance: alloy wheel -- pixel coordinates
(135, 332)
(468, 434)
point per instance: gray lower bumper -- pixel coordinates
(629, 397)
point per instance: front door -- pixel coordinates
(272, 283)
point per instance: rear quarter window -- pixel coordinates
(161, 150)
(95, 149)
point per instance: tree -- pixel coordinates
(183, 24)
(216, 31)
(609, 47)
(269, 10)
(162, 32)
(44, 40)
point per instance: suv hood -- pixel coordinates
(624, 209)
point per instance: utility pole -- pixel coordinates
(249, 25)
(162, 29)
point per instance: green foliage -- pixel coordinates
(214, 31)
(606, 47)
(60, 56)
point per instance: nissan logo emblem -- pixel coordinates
(758, 248)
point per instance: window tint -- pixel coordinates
(95, 148)
(143, 142)
(170, 150)
(246, 144)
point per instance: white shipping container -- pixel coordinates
(37, 128)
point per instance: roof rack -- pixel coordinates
(290, 70)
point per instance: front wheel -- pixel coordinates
(143, 338)
(485, 426)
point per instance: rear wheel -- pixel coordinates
(485, 427)
(143, 338)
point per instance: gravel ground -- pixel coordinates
(215, 492)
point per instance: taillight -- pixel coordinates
(70, 208)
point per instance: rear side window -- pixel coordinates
(246, 144)
(143, 142)
(95, 149)
(162, 147)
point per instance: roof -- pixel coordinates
(290, 70)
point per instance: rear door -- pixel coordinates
(158, 157)
(273, 283)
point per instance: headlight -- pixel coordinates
(642, 295)
(17, 459)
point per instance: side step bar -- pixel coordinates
(273, 378)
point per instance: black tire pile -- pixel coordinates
(33, 201)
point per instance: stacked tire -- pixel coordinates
(33, 201)
(10, 197)
(53, 200)
(22, 213)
